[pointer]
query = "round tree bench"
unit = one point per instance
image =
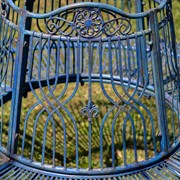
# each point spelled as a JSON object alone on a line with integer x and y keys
{"x": 89, "y": 90}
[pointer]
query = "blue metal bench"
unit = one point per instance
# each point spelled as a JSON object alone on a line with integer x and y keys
{"x": 89, "y": 90}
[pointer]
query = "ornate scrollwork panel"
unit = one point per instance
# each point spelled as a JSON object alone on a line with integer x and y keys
{"x": 89, "y": 23}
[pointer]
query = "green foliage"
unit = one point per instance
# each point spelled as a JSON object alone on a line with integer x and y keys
{"x": 176, "y": 15}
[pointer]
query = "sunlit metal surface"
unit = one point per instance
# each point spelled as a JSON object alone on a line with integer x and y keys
{"x": 89, "y": 90}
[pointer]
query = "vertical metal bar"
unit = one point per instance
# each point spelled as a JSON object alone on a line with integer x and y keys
{"x": 139, "y": 9}
{"x": 17, "y": 14}
{"x": 122, "y": 4}
{"x": 158, "y": 82}
{"x": 2, "y": 116}
{"x": 111, "y": 74}
{"x": 101, "y": 131}
{"x": 19, "y": 78}
{"x": 29, "y": 7}
{"x": 90, "y": 59}
{"x": 141, "y": 48}
{"x": 129, "y": 6}
{"x": 173, "y": 38}
{"x": 0, "y": 23}
{"x": 1, "y": 98}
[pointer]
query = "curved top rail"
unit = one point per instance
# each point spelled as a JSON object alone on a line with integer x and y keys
{"x": 89, "y": 4}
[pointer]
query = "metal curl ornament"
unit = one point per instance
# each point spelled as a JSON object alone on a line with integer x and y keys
{"x": 53, "y": 25}
{"x": 118, "y": 25}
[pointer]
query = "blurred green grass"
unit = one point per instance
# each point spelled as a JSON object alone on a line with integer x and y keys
{"x": 176, "y": 15}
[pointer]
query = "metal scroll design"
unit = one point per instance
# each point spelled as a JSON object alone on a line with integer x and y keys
{"x": 89, "y": 23}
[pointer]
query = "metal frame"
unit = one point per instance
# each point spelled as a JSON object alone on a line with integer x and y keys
{"x": 85, "y": 43}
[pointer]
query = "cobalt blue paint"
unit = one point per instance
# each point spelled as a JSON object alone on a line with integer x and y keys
{"x": 89, "y": 90}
